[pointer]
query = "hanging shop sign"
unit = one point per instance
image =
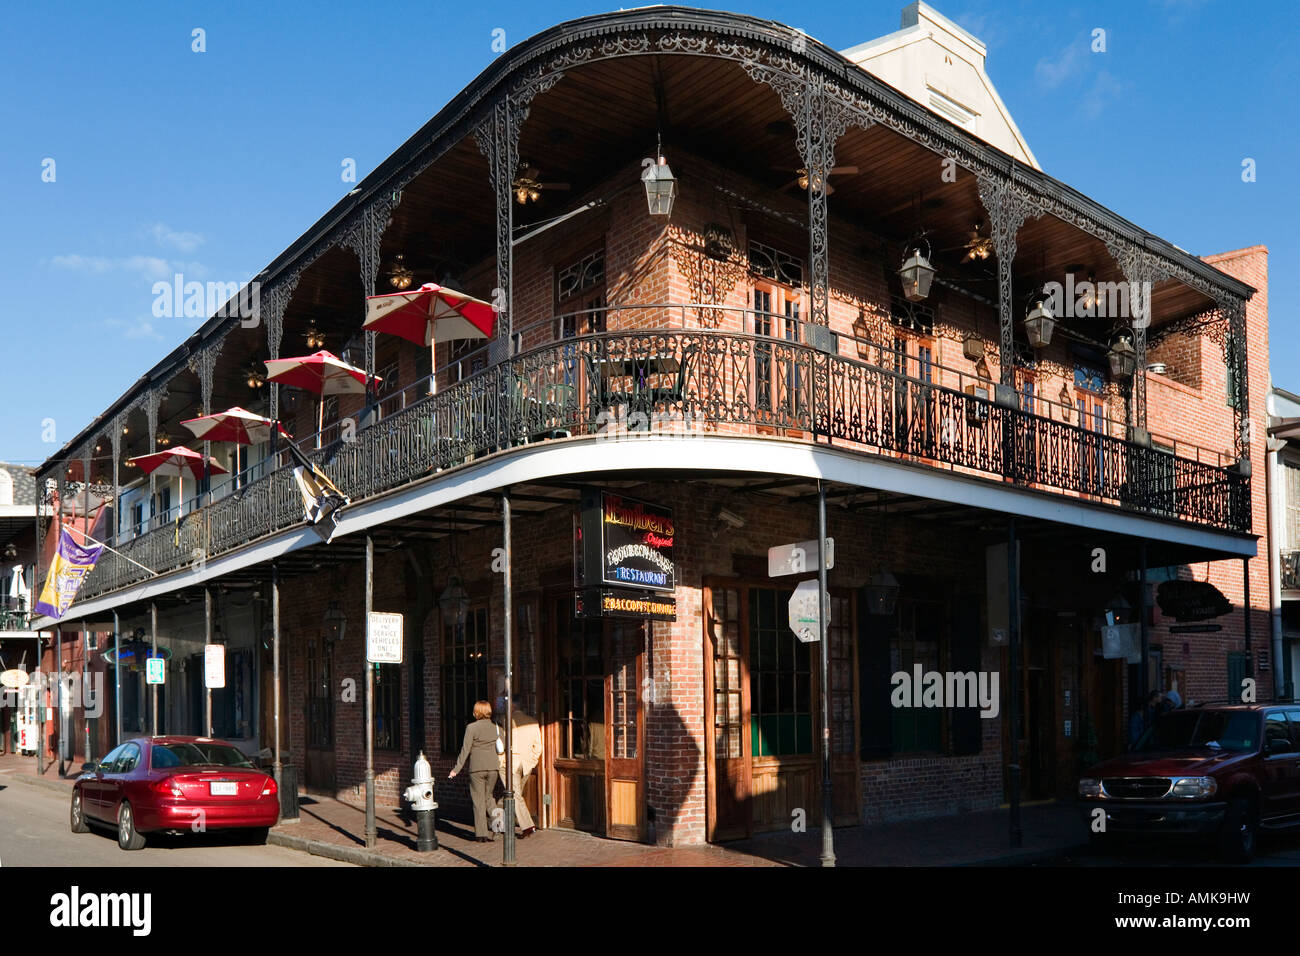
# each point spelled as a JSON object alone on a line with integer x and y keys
{"x": 1191, "y": 600}
{"x": 617, "y": 602}
{"x": 625, "y": 543}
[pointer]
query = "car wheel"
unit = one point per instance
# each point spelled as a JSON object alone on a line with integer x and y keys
{"x": 128, "y": 837}
{"x": 257, "y": 836}
{"x": 1239, "y": 830}
{"x": 77, "y": 818}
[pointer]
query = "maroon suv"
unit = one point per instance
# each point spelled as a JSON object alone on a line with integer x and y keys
{"x": 1224, "y": 771}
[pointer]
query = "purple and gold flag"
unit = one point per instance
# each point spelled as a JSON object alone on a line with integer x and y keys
{"x": 72, "y": 562}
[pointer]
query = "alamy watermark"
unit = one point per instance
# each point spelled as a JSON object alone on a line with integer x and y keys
{"x": 946, "y": 689}
{"x": 200, "y": 300}
{"x": 1091, "y": 299}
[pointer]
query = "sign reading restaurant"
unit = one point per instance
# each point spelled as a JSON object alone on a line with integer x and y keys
{"x": 628, "y": 543}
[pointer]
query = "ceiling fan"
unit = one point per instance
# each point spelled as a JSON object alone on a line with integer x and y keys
{"x": 801, "y": 176}
{"x": 978, "y": 246}
{"x": 528, "y": 186}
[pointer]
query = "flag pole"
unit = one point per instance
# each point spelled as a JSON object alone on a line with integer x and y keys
{"x": 115, "y": 551}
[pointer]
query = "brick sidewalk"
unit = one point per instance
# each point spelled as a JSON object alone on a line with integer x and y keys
{"x": 337, "y": 828}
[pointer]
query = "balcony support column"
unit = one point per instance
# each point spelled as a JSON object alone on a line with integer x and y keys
{"x": 153, "y": 401}
{"x": 115, "y": 437}
{"x": 1007, "y": 211}
{"x": 203, "y": 363}
{"x": 272, "y": 307}
{"x": 364, "y": 235}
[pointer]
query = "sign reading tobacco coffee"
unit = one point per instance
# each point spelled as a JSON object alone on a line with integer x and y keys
{"x": 628, "y": 545}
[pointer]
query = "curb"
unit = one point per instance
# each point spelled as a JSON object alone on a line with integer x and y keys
{"x": 333, "y": 851}
{"x": 63, "y": 787}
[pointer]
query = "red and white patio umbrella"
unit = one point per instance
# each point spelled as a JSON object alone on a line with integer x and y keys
{"x": 236, "y": 425}
{"x": 175, "y": 462}
{"x": 322, "y": 373}
{"x": 429, "y": 314}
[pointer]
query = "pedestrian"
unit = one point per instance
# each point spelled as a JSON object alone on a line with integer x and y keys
{"x": 480, "y": 749}
{"x": 526, "y": 744}
{"x": 1143, "y": 718}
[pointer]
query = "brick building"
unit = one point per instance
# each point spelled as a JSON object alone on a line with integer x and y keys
{"x": 719, "y": 368}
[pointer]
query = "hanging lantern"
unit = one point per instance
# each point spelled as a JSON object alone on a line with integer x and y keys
{"x": 454, "y": 600}
{"x": 1039, "y": 324}
{"x": 917, "y": 274}
{"x": 1123, "y": 359}
{"x": 882, "y": 593}
{"x": 660, "y": 186}
{"x": 335, "y": 622}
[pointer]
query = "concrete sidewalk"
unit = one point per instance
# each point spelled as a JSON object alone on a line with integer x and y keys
{"x": 336, "y": 829}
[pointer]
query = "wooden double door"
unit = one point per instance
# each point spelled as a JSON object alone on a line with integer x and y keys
{"x": 763, "y": 714}
{"x": 594, "y": 723}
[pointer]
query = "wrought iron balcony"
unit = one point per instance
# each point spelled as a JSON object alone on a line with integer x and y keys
{"x": 692, "y": 382}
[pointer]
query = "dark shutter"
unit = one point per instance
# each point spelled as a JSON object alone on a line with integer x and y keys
{"x": 967, "y": 729}
{"x": 875, "y": 632}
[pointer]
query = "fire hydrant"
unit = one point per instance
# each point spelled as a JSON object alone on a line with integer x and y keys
{"x": 420, "y": 795}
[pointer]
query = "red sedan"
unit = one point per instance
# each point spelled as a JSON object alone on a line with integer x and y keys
{"x": 174, "y": 784}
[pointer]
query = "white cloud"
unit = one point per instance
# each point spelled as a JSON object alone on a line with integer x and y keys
{"x": 152, "y": 268}
{"x": 1105, "y": 89}
{"x": 166, "y": 236}
{"x": 135, "y": 328}
{"x": 1051, "y": 72}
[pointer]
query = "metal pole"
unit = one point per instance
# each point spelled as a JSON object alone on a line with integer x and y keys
{"x": 117, "y": 682}
{"x": 58, "y": 693}
{"x": 1245, "y": 603}
{"x": 371, "y": 834}
{"x": 85, "y": 676}
{"x": 207, "y": 639}
{"x": 508, "y": 803}
{"x": 823, "y": 616}
{"x": 275, "y": 664}
{"x": 1013, "y": 622}
{"x": 153, "y": 634}
{"x": 1144, "y": 666}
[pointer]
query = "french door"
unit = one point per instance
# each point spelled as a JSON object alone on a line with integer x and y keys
{"x": 595, "y": 724}
{"x": 763, "y": 711}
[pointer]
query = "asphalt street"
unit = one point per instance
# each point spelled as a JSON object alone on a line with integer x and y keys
{"x": 34, "y": 832}
{"x": 1273, "y": 848}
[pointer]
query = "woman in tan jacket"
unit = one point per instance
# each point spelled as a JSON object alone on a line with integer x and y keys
{"x": 480, "y": 749}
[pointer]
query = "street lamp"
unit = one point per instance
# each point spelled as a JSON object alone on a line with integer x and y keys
{"x": 454, "y": 600}
{"x": 1123, "y": 359}
{"x": 1039, "y": 323}
{"x": 660, "y": 185}
{"x": 917, "y": 273}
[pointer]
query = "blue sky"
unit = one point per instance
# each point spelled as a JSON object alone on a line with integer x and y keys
{"x": 211, "y": 163}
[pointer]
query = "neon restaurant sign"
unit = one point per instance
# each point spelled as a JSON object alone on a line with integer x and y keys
{"x": 625, "y": 544}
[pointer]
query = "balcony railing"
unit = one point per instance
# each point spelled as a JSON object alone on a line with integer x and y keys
{"x": 693, "y": 382}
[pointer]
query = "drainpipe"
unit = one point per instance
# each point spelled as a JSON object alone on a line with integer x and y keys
{"x": 1275, "y": 505}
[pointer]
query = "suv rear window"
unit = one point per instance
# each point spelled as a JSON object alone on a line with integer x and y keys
{"x": 1232, "y": 730}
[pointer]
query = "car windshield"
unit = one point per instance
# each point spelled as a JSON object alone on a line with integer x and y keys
{"x": 1232, "y": 730}
{"x": 198, "y": 755}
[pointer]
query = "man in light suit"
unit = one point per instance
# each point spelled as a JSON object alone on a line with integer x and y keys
{"x": 526, "y": 744}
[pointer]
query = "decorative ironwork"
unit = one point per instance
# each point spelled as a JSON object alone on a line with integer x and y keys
{"x": 1007, "y": 209}
{"x": 683, "y": 382}
{"x": 203, "y": 362}
{"x": 1237, "y": 361}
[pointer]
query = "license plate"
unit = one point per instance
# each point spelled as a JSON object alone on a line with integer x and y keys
{"x": 224, "y": 788}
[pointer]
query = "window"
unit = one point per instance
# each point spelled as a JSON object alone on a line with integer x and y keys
{"x": 728, "y": 724}
{"x": 388, "y": 706}
{"x": 780, "y": 679}
{"x": 1291, "y": 514}
{"x": 580, "y": 277}
{"x": 464, "y": 674}
{"x": 778, "y": 378}
{"x": 580, "y": 676}
{"x": 775, "y": 265}
{"x": 841, "y": 665}
{"x": 919, "y": 640}
{"x": 137, "y": 517}
{"x": 1091, "y": 406}
{"x": 128, "y": 759}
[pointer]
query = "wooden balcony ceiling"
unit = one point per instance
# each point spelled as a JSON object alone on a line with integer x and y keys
{"x": 603, "y": 116}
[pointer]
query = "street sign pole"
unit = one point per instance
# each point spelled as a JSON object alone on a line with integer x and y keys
{"x": 371, "y": 834}
{"x": 828, "y": 799}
